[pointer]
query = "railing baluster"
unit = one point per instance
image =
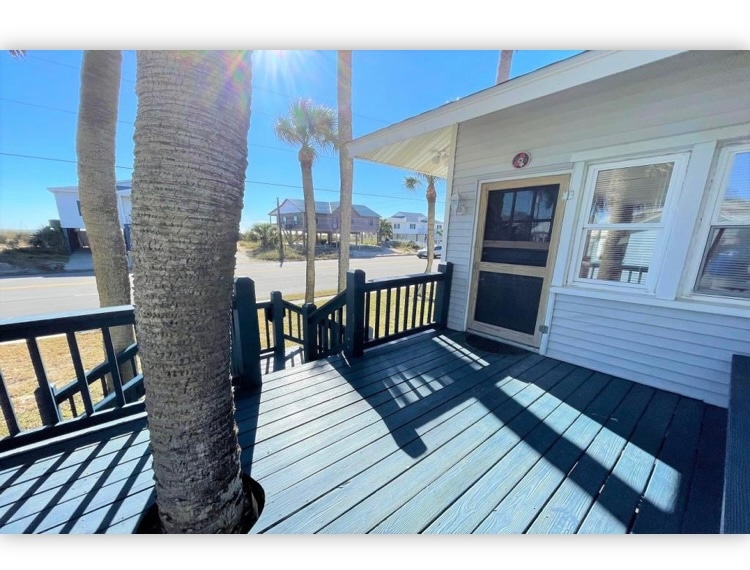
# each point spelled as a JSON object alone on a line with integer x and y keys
{"x": 387, "y": 311}
{"x": 406, "y": 308}
{"x": 377, "y": 314}
{"x": 398, "y": 309}
{"x": 114, "y": 369}
{"x": 367, "y": 315}
{"x": 415, "y": 289}
{"x": 48, "y": 409}
{"x": 6, "y": 405}
{"x": 83, "y": 384}
{"x": 421, "y": 308}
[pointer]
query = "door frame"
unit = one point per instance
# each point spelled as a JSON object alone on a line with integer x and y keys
{"x": 515, "y": 337}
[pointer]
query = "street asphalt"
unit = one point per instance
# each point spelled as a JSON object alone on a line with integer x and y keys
{"x": 70, "y": 291}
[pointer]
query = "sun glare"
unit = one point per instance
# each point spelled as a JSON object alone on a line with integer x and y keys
{"x": 287, "y": 71}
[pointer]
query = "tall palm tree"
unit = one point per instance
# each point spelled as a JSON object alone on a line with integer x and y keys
{"x": 503, "y": 66}
{"x": 346, "y": 164}
{"x": 411, "y": 183}
{"x": 95, "y": 147}
{"x": 312, "y": 128}
{"x": 190, "y": 160}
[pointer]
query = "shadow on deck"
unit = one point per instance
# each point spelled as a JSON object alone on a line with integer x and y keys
{"x": 425, "y": 435}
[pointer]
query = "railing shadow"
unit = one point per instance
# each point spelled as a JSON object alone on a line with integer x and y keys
{"x": 640, "y": 419}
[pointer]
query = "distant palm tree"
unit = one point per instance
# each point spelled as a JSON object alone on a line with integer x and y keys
{"x": 312, "y": 128}
{"x": 346, "y": 164}
{"x": 385, "y": 230}
{"x": 95, "y": 149}
{"x": 411, "y": 183}
{"x": 188, "y": 186}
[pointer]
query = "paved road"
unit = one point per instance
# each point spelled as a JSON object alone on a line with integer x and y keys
{"x": 23, "y": 296}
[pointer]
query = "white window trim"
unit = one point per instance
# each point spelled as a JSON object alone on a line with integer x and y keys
{"x": 676, "y": 182}
{"x": 713, "y": 205}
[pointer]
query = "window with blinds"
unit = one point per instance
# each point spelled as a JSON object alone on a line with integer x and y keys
{"x": 725, "y": 268}
{"x": 622, "y": 233}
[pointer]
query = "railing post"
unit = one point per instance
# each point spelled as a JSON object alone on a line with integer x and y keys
{"x": 6, "y": 405}
{"x": 309, "y": 333}
{"x": 246, "y": 332}
{"x": 442, "y": 296}
{"x": 277, "y": 312}
{"x": 355, "y": 313}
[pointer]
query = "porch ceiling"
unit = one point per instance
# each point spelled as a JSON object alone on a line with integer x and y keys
{"x": 427, "y": 153}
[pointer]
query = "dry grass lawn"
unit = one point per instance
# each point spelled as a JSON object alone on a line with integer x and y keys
{"x": 19, "y": 377}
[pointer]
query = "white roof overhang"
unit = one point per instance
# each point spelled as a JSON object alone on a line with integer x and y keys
{"x": 415, "y": 143}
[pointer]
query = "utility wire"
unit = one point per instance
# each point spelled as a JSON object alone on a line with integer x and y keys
{"x": 258, "y": 182}
{"x": 130, "y": 124}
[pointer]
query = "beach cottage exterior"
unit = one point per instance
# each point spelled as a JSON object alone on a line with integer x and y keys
{"x": 599, "y": 212}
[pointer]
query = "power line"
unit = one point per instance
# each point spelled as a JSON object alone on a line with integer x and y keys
{"x": 53, "y": 159}
{"x": 258, "y": 182}
{"x": 130, "y": 124}
{"x": 52, "y": 108}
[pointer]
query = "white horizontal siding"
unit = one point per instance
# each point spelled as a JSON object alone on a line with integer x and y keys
{"x": 648, "y": 103}
{"x": 687, "y": 352}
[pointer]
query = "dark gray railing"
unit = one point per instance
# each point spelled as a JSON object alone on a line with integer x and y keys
{"x": 366, "y": 314}
{"x": 382, "y": 310}
{"x": 115, "y": 391}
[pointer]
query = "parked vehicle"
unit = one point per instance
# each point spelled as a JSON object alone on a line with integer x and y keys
{"x": 422, "y": 253}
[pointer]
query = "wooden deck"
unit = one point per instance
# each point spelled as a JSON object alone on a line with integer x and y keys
{"x": 425, "y": 435}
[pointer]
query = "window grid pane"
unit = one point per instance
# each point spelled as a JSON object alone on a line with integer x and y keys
{"x": 725, "y": 268}
{"x": 625, "y": 221}
{"x": 634, "y": 194}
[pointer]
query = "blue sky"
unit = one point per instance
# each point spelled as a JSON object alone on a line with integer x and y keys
{"x": 39, "y": 103}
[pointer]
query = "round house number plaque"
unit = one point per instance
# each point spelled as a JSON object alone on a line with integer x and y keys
{"x": 521, "y": 159}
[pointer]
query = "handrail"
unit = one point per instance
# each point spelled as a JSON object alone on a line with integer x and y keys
{"x": 364, "y": 315}
{"x": 116, "y": 391}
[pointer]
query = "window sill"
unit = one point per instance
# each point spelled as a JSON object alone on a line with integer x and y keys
{"x": 697, "y": 303}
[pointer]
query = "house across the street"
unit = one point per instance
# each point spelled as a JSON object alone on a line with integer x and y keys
{"x": 599, "y": 212}
{"x": 412, "y": 226}
{"x": 71, "y": 221}
{"x": 327, "y": 219}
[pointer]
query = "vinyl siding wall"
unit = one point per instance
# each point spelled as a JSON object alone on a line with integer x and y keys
{"x": 654, "y": 102}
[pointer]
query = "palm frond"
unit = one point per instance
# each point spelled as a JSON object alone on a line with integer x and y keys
{"x": 412, "y": 182}
{"x": 308, "y": 125}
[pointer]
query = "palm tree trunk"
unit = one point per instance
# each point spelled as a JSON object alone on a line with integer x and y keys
{"x": 95, "y": 147}
{"x": 431, "y": 196}
{"x": 311, "y": 228}
{"x": 346, "y": 164}
{"x": 188, "y": 184}
{"x": 503, "y": 66}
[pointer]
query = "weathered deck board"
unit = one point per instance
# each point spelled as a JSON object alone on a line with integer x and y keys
{"x": 364, "y": 448}
{"x": 567, "y": 507}
{"x": 421, "y": 435}
{"x": 447, "y": 441}
{"x": 614, "y": 508}
{"x": 703, "y": 508}
{"x": 666, "y": 493}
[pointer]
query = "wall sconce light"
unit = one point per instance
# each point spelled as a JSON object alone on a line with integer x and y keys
{"x": 441, "y": 156}
{"x": 458, "y": 208}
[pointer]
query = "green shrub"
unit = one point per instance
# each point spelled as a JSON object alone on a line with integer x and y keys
{"x": 48, "y": 238}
